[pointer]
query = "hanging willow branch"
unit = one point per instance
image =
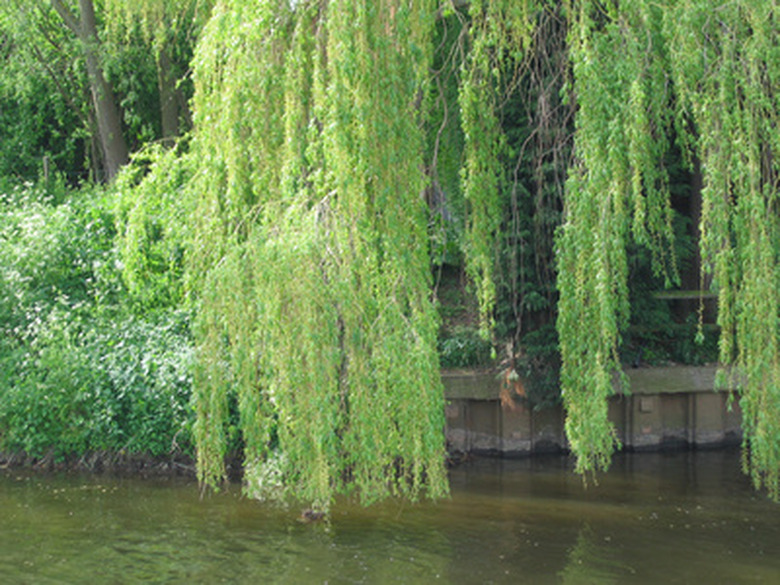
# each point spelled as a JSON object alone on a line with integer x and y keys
{"x": 501, "y": 32}
{"x": 643, "y": 72}
{"x": 315, "y": 328}
{"x": 617, "y": 187}
{"x": 728, "y": 76}
{"x": 311, "y": 260}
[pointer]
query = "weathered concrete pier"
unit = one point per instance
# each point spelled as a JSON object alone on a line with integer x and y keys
{"x": 667, "y": 407}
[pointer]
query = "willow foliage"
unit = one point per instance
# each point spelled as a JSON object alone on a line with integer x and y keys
{"x": 159, "y": 19}
{"x": 500, "y": 34}
{"x": 310, "y": 258}
{"x": 617, "y": 187}
{"x": 316, "y": 331}
{"x": 644, "y": 72}
{"x": 727, "y": 73}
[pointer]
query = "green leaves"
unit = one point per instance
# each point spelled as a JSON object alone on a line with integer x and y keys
{"x": 309, "y": 222}
{"x": 615, "y": 190}
{"x": 80, "y": 372}
{"x": 727, "y": 77}
{"x": 644, "y": 72}
{"x": 310, "y": 256}
{"x": 500, "y": 33}
{"x": 295, "y": 226}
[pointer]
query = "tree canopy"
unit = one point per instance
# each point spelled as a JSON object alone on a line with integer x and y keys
{"x": 310, "y": 245}
{"x": 120, "y": 67}
{"x": 315, "y": 310}
{"x": 646, "y": 73}
{"x": 341, "y": 148}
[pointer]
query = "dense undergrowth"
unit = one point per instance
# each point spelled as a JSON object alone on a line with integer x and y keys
{"x": 84, "y": 366}
{"x": 96, "y": 353}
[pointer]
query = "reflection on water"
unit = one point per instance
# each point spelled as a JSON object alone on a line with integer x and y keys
{"x": 687, "y": 517}
{"x": 593, "y": 562}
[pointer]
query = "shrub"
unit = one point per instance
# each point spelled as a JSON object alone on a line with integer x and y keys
{"x": 463, "y": 347}
{"x": 80, "y": 371}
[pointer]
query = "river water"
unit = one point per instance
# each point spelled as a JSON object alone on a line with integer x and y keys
{"x": 685, "y": 517}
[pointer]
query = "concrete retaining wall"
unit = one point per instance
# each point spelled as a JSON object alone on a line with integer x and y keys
{"x": 667, "y": 407}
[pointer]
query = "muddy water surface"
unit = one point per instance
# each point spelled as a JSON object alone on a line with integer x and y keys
{"x": 687, "y": 517}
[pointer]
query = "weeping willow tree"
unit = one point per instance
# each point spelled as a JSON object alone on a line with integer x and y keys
{"x": 646, "y": 77}
{"x": 644, "y": 72}
{"x": 316, "y": 330}
{"x": 316, "y": 323}
{"x": 617, "y": 189}
{"x": 727, "y": 72}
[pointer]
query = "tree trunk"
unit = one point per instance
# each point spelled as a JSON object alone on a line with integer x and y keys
{"x": 108, "y": 117}
{"x": 169, "y": 103}
{"x": 109, "y": 120}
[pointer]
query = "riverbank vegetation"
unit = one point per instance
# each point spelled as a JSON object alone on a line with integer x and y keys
{"x": 328, "y": 201}
{"x": 83, "y": 369}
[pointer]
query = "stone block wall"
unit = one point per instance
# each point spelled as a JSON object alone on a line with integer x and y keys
{"x": 666, "y": 407}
